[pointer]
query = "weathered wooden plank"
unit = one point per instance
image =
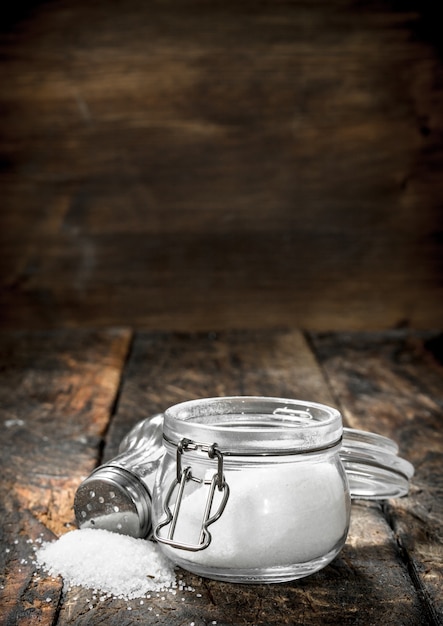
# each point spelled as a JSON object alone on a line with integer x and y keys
{"x": 368, "y": 583}
{"x": 236, "y": 280}
{"x": 394, "y": 384}
{"x": 56, "y": 397}
{"x": 256, "y": 151}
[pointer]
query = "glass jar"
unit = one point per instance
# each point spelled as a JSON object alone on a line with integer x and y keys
{"x": 251, "y": 489}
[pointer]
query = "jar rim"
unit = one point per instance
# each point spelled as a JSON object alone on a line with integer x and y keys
{"x": 254, "y": 424}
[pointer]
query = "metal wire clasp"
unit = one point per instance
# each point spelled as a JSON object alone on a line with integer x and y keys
{"x": 183, "y": 476}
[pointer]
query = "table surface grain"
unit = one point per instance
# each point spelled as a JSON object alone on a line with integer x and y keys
{"x": 67, "y": 398}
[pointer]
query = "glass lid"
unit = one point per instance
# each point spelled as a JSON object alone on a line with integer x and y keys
{"x": 373, "y": 467}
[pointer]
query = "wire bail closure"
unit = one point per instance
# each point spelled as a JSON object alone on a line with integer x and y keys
{"x": 183, "y": 476}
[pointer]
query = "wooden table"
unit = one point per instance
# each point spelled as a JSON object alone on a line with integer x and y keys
{"x": 67, "y": 398}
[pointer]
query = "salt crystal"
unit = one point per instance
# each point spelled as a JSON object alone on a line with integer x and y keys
{"x": 100, "y": 560}
{"x": 13, "y": 422}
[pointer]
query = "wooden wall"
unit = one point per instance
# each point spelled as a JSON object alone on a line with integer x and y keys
{"x": 203, "y": 165}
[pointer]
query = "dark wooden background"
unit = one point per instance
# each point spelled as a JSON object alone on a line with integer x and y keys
{"x": 263, "y": 170}
{"x": 194, "y": 164}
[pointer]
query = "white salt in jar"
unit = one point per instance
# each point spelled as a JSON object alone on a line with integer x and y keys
{"x": 251, "y": 489}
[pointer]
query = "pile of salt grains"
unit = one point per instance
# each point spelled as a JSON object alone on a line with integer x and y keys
{"x": 110, "y": 565}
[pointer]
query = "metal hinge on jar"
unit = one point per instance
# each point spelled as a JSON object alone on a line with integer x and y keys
{"x": 183, "y": 477}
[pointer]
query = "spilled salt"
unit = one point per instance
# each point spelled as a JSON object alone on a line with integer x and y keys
{"x": 115, "y": 564}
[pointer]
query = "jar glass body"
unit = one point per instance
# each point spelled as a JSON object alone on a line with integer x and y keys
{"x": 282, "y": 511}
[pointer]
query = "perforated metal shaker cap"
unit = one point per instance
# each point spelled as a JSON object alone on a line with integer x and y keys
{"x": 114, "y": 499}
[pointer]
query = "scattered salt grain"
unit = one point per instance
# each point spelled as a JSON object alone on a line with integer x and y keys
{"x": 13, "y": 422}
{"x": 115, "y": 564}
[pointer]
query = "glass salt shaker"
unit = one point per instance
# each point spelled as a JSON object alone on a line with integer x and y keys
{"x": 117, "y": 495}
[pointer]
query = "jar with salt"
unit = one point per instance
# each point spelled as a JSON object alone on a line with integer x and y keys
{"x": 251, "y": 489}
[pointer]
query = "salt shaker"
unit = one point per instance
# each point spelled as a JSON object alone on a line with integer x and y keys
{"x": 117, "y": 495}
